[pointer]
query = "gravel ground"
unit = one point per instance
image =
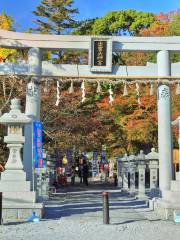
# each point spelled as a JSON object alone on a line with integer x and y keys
{"x": 78, "y": 215}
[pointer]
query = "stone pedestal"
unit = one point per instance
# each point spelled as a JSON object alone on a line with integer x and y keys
{"x": 141, "y": 185}
{"x": 18, "y": 201}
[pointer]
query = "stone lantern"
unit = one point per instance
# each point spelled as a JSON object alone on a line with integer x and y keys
{"x": 132, "y": 172}
{"x": 15, "y": 120}
{"x": 18, "y": 199}
{"x": 153, "y": 158}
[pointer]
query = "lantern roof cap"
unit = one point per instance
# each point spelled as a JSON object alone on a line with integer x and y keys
{"x": 15, "y": 116}
{"x": 152, "y": 155}
{"x": 140, "y": 156}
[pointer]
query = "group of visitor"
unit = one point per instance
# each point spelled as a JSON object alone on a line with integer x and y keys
{"x": 82, "y": 171}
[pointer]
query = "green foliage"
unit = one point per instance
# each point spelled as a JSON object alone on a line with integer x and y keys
{"x": 174, "y": 26}
{"x": 174, "y": 30}
{"x": 125, "y": 22}
{"x": 55, "y": 16}
{"x": 85, "y": 27}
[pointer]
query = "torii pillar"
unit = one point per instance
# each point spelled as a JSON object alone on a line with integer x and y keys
{"x": 32, "y": 110}
{"x": 164, "y": 123}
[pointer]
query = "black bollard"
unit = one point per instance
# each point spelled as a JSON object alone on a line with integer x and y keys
{"x": 105, "y": 208}
{"x": 0, "y": 208}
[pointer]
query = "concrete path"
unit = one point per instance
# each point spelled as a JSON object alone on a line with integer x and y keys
{"x": 76, "y": 213}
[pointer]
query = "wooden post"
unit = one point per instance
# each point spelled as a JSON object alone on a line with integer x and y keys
{"x": 105, "y": 208}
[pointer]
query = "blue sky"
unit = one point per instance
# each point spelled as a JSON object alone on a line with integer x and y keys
{"x": 21, "y": 10}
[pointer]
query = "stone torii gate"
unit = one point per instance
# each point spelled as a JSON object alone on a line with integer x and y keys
{"x": 100, "y": 49}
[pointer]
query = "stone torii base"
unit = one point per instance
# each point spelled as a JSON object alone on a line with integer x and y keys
{"x": 170, "y": 202}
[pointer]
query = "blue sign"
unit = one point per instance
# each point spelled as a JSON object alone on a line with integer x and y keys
{"x": 94, "y": 163}
{"x": 104, "y": 157}
{"x": 37, "y": 145}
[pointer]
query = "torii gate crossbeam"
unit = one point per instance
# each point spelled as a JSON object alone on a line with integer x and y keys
{"x": 17, "y": 40}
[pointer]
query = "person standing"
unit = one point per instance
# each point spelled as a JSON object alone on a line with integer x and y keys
{"x": 73, "y": 175}
{"x": 85, "y": 173}
{"x": 81, "y": 162}
{"x": 80, "y": 173}
{"x": 115, "y": 179}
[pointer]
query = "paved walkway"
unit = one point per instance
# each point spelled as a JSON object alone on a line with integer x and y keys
{"x": 85, "y": 203}
{"x": 76, "y": 213}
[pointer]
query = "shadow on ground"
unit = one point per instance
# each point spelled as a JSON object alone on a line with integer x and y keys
{"x": 87, "y": 202}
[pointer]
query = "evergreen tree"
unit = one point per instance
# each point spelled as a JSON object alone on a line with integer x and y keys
{"x": 123, "y": 22}
{"x": 56, "y": 16}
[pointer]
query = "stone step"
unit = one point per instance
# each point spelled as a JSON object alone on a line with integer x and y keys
{"x": 19, "y": 197}
{"x": 14, "y": 186}
{"x": 171, "y": 196}
{"x": 175, "y": 186}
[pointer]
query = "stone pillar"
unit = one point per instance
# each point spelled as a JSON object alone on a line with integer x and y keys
{"x": 132, "y": 178}
{"x": 141, "y": 185}
{"x": 153, "y": 166}
{"x": 32, "y": 108}
{"x": 33, "y": 87}
{"x": 41, "y": 186}
{"x": 164, "y": 123}
{"x": 125, "y": 178}
{"x": 120, "y": 176}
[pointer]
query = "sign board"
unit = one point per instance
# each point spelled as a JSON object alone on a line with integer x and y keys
{"x": 100, "y": 52}
{"x": 100, "y": 55}
{"x": 37, "y": 145}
